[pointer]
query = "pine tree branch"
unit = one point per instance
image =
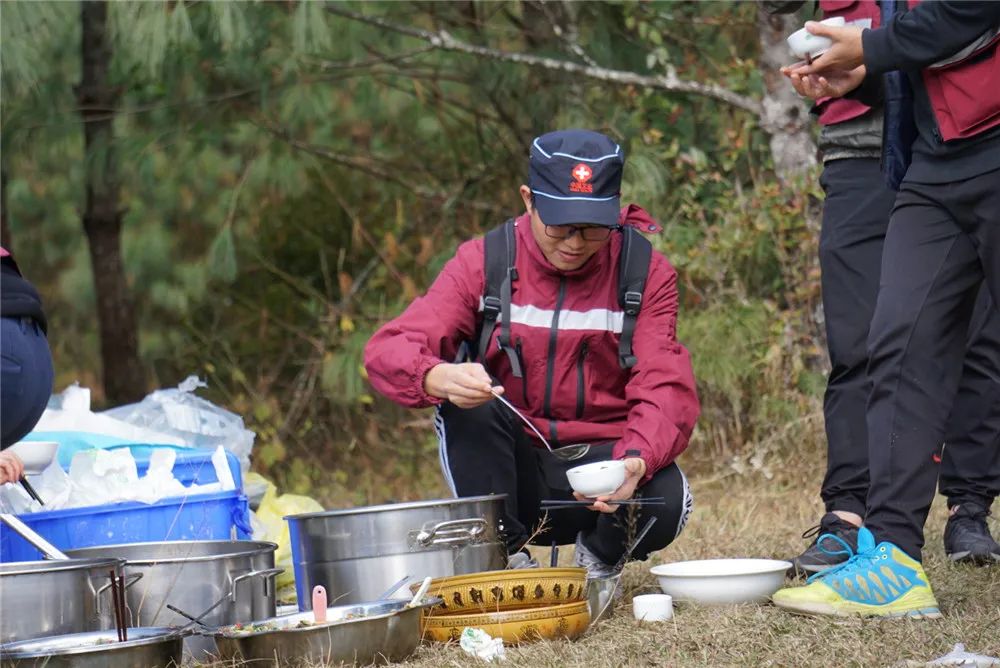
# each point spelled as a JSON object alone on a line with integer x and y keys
{"x": 668, "y": 82}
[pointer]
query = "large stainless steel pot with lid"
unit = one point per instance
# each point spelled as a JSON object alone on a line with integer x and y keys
{"x": 356, "y": 554}
{"x": 47, "y": 598}
{"x": 192, "y": 576}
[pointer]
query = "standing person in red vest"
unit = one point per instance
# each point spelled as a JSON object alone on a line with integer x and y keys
{"x": 572, "y": 317}
{"x": 943, "y": 240}
{"x": 856, "y": 214}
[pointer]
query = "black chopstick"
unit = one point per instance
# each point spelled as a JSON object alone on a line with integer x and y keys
{"x": 31, "y": 490}
{"x": 653, "y": 500}
{"x": 116, "y": 604}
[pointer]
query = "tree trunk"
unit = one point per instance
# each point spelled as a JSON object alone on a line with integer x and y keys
{"x": 785, "y": 117}
{"x": 102, "y": 217}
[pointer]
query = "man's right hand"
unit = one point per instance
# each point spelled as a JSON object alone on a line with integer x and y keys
{"x": 465, "y": 385}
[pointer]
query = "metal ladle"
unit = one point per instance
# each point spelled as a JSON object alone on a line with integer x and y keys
{"x": 45, "y": 547}
{"x": 566, "y": 453}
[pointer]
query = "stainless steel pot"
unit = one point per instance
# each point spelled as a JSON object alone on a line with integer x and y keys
{"x": 356, "y": 554}
{"x": 192, "y": 575}
{"x": 146, "y": 647}
{"x": 377, "y": 632}
{"x": 46, "y": 598}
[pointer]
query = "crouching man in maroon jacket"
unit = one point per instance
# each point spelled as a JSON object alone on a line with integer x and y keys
{"x": 562, "y": 344}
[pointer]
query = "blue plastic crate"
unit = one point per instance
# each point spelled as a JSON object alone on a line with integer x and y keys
{"x": 214, "y": 516}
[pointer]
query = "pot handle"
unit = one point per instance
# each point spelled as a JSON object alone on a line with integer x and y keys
{"x": 266, "y": 573}
{"x": 450, "y": 532}
{"x": 129, "y": 581}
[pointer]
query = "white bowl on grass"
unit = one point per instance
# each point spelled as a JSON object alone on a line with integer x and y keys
{"x": 36, "y": 455}
{"x": 722, "y": 581}
{"x": 598, "y": 478}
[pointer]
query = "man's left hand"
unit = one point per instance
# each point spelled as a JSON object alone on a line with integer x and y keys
{"x": 833, "y": 84}
{"x": 635, "y": 469}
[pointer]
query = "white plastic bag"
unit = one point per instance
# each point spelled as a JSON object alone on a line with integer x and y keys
{"x": 481, "y": 645}
{"x": 181, "y": 413}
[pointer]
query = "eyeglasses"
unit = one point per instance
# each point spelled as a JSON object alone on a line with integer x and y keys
{"x": 587, "y": 232}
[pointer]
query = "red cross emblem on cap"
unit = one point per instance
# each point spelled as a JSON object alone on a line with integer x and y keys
{"x": 582, "y": 173}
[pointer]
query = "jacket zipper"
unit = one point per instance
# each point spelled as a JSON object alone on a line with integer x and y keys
{"x": 580, "y": 386}
{"x": 524, "y": 371}
{"x": 550, "y": 363}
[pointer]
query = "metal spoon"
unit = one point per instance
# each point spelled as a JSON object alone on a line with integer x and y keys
{"x": 392, "y": 590}
{"x": 566, "y": 453}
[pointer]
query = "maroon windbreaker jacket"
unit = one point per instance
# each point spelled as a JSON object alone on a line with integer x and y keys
{"x": 566, "y": 326}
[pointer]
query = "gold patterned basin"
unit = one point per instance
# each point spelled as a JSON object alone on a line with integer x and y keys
{"x": 566, "y": 620}
{"x": 499, "y": 591}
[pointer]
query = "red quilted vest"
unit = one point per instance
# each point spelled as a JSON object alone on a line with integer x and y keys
{"x": 965, "y": 91}
{"x": 838, "y": 110}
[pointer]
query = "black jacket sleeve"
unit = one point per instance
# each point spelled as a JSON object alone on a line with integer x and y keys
{"x": 926, "y": 34}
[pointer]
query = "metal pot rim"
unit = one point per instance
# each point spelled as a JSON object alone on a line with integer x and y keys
{"x": 253, "y": 548}
{"x": 55, "y": 565}
{"x": 150, "y": 636}
{"x": 428, "y": 603}
{"x": 396, "y": 506}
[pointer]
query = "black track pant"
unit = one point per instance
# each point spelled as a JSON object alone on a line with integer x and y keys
{"x": 943, "y": 241}
{"x": 485, "y": 450}
{"x": 856, "y": 216}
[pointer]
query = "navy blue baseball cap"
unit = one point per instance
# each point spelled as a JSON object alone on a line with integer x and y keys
{"x": 576, "y": 177}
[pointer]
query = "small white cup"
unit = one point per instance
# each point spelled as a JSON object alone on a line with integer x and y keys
{"x": 803, "y": 43}
{"x": 653, "y": 607}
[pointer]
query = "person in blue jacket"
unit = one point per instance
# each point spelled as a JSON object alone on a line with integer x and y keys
{"x": 26, "y": 372}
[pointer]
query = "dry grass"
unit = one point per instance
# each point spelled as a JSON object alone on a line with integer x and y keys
{"x": 752, "y": 516}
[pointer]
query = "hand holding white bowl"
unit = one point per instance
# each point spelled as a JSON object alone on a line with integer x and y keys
{"x": 35, "y": 456}
{"x": 804, "y": 42}
{"x": 625, "y": 473}
{"x": 11, "y": 468}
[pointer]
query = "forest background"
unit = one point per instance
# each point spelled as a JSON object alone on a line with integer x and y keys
{"x": 245, "y": 191}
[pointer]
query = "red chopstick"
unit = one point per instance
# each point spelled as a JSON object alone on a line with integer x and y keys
{"x": 123, "y": 607}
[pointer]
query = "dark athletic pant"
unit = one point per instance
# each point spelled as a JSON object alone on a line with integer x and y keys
{"x": 856, "y": 216}
{"x": 25, "y": 377}
{"x": 943, "y": 241}
{"x": 485, "y": 450}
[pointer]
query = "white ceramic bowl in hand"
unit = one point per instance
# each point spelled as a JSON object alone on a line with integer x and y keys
{"x": 598, "y": 478}
{"x": 803, "y": 43}
{"x": 722, "y": 581}
{"x": 36, "y": 455}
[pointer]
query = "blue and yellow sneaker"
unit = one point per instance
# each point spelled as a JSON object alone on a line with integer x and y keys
{"x": 878, "y": 580}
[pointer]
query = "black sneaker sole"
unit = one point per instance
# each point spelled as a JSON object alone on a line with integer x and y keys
{"x": 805, "y": 570}
{"x": 975, "y": 559}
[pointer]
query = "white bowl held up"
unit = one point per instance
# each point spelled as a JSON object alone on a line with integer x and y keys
{"x": 722, "y": 581}
{"x": 36, "y": 455}
{"x": 803, "y": 43}
{"x": 597, "y": 478}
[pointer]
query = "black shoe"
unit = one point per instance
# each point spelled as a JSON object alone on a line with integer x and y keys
{"x": 967, "y": 539}
{"x": 814, "y": 560}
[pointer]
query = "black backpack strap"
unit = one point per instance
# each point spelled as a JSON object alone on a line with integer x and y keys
{"x": 633, "y": 265}
{"x": 500, "y": 254}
